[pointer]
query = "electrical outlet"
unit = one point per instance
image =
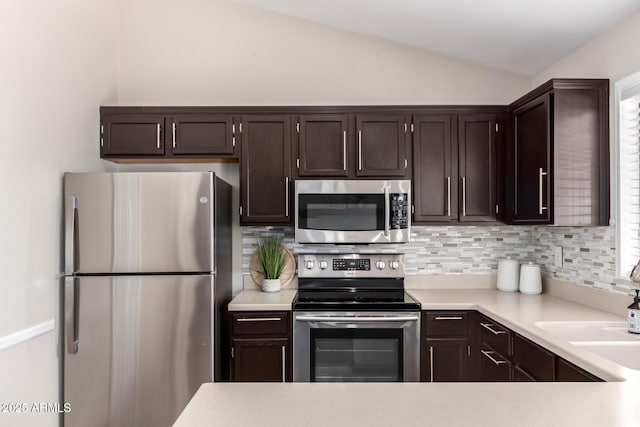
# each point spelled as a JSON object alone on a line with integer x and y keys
{"x": 557, "y": 256}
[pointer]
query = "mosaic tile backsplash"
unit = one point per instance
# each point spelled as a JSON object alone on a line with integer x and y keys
{"x": 589, "y": 257}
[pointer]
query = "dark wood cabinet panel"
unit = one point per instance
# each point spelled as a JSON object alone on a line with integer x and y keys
{"x": 260, "y": 323}
{"x": 446, "y": 324}
{"x": 532, "y": 146}
{"x": 521, "y": 376}
{"x": 568, "y": 372}
{"x": 132, "y": 135}
{"x": 493, "y": 365}
{"x": 536, "y": 361}
{"x": 495, "y": 336}
{"x": 202, "y": 134}
{"x": 434, "y": 151}
{"x": 259, "y": 360}
{"x": 323, "y": 145}
{"x": 266, "y": 169}
{"x": 380, "y": 145}
{"x": 477, "y": 154}
{"x": 446, "y": 360}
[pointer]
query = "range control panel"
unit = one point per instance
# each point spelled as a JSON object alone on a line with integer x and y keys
{"x": 351, "y": 265}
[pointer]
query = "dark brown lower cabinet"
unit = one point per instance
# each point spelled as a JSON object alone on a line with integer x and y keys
{"x": 494, "y": 366}
{"x": 569, "y": 372}
{"x": 537, "y": 362}
{"x": 262, "y": 359}
{"x": 260, "y": 344}
{"x": 447, "y": 360}
{"x": 521, "y": 376}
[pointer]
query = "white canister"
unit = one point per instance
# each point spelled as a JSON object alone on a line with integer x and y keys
{"x": 530, "y": 279}
{"x": 508, "y": 275}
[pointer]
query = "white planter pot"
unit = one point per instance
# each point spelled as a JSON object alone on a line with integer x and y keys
{"x": 271, "y": 285}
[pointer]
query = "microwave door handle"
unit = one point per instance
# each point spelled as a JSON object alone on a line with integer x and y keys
{"x": 387, "y": 212}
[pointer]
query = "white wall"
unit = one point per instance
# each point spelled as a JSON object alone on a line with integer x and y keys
{"x": 211, "y": 52}
{"x": 58, "y": 66}
{"x": 612, "y": 55}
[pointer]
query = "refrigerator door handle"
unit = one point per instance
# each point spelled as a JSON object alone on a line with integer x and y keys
{"x": 71, "y": 310}
{"x": 70, "y": 234}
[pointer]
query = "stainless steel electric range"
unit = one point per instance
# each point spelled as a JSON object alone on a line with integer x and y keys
{"x": 353, "y": 321}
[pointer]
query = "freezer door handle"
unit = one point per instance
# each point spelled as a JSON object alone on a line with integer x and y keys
{"x": 71, "y": 309}
{"x": 70, "y": 234}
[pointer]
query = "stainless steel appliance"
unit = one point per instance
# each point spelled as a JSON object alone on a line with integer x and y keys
{"x": 353, "y": 211}
{"x": 353, "y": 321}
{"x": 147, "y": 270}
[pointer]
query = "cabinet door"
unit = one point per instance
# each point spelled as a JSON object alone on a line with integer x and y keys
{"x": 132, "y": 135}
{"x": 536, "y": 361}
{"x": 433, "y": 170}
{"x": 521, "y": 376}
{"x": 260, "y": 360}
{"x": 266, "y": 170}
{"x": 532, "y": 139}
{"x": 446, "y": 360}
{"x": 568, "y": 372}
{"x": 494, "y": 366}
{"x": 322, "y": 145}
{"x": 476, "y": 162}
{"x": 202, "y": 134}
{"x": 380, "y": 147}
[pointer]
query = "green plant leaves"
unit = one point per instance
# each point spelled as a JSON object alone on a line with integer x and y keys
{"x": 271, "y": 256}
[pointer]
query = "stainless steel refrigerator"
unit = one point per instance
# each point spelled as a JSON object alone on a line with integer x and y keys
{"x": 147, "y": 271}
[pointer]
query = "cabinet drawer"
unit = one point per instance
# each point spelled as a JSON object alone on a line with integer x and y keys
{"x": 495, "y": 336}
{"x": 533, "y": 359}
{"x": 446, "y": 323}
{"x": 494, "y": 366}
{"x": 260, "y": 323}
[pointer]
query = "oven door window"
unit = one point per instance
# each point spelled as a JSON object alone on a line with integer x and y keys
{"x": 356, "y": 355}
{"x": 341, "y": 212}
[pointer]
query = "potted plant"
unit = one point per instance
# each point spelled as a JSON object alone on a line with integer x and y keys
{"x": 272, "y": 260}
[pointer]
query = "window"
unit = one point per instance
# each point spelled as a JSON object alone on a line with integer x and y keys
{"x": 628, "y": 97}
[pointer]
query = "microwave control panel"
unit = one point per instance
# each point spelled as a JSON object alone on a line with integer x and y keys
{"x": 399, "y": 211}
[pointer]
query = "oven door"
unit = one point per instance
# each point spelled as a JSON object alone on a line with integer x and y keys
{"x": 339, "y": 211}
{"x": 356, "y": 347}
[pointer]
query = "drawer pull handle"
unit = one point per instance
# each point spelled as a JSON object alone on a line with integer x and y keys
{"x": 488, "y": 327}
{"x": 260, "y": 319}
{"x": 488, "y": 354}
{"x": 448, "y": 318}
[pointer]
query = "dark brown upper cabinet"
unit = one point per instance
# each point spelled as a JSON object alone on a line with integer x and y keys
{"x": 202, "y": 134}
{"x": 132, "y": 135}
{"x": 265, "y": 182}
{"x": 323, "y": 145}
{"x": 454, "y": 166}
{"x": 476, "y": 162}
{"x": 380, "y": 145}
{"x": 558, "y": 158}
{"x": 434, "y": 168}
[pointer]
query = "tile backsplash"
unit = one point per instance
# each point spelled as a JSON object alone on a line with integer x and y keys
{"x": 588, "y": 252}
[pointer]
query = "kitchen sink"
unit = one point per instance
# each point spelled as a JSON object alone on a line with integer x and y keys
{"x": 590, "y": 331}
{"x": 623, "y": 353}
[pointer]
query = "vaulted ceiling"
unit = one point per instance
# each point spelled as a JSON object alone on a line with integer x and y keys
{"x": 521, "y": 36}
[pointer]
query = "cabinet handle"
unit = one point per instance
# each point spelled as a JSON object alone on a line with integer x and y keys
{"x": 488, "y": 326}
{"x": 448, "y": 318}
{"x": 286, "y": 195}
{"x": 541, "y": 173}
{"x": 284, "y": 364}
{"x": 344, "y": 150}
{"x": 430, "y": 363}
{"x": 449, "y": 196}
{"x": 488, "y": 355}
{"x": 359, "y": 150}
{"x": 173, "y": 133}
{"x": 464, "y": 196}
{"x": 158, "y": 136}
{"x": 259, "y": 319}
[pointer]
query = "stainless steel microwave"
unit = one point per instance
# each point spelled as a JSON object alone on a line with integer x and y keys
{"x": 353, "y": 211}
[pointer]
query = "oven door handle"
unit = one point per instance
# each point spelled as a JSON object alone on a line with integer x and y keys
{"x": 353, "y": 319}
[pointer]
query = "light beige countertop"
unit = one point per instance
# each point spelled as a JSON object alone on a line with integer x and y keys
{"x": 414, "y": 404}
{"x": 256, "y": 300}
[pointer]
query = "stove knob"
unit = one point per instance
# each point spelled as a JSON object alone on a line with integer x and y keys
{"x": 394, "y": 265}
{"x": 380, "y": 265}
{"x": 323, "y": 265}
{"x": 308, "y": 265}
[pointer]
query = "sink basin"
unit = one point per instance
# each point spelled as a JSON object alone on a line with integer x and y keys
{"x": 623, "y": 353}
{"x": 590, "y": 331}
